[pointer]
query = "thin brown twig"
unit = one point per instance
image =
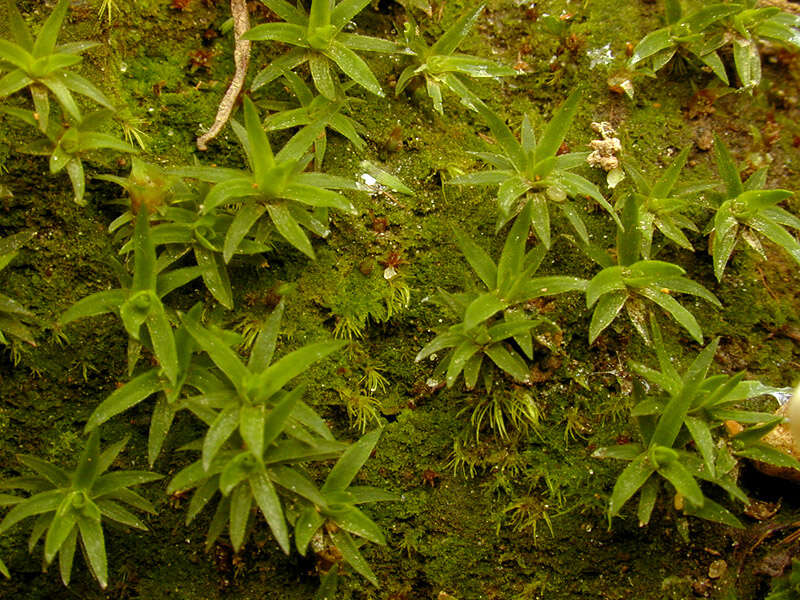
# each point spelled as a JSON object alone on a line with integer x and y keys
{"x": 766, "y": 286}
{"x": 241, "y": 57}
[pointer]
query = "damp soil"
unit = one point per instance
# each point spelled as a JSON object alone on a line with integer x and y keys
{"x": 481, "y": 515}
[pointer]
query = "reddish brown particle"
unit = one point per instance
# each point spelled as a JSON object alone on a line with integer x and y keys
{"x": 430, "y": 477}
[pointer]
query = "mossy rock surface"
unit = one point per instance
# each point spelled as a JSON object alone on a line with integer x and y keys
{"x": 480, "y": 517}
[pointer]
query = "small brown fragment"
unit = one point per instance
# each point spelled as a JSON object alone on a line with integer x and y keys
{"x": 761, "y": 511}
{"x": 717, "y": 569}
{"x": 704, "y": 139}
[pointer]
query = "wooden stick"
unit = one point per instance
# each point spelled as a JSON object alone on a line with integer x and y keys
{"x": 241, "y": 57}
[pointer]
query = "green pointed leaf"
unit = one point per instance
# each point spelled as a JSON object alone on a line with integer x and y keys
{"x": 160, "y": 423}
{"x": 279, "y": 416}
{"x": 727, "y": 169}
{"x": 725, "y": 236}
{"x": 508, "y": 361}
{"x": 163, "y": 340}
{"x": 777, "y": 234}
{"x": 270, "y": 505}
{"x": 605, "y": 312}
{"x": 683, "y": 482}
{"x": 550, "y": 286}
{"x": 674, "y": 308}
{"x": 704, "y": 440}
{"x": 350, "y": 463}
{"x": 277, "y": 375}
{"x": 444, "y": 340}
{"x": 511, "y": 147}
{"x": 264, "y": 346}
{"x": 94, "y": 545}
{"x": 356, "y": 522}
{"x": 682, "y": 285}
{"x": 455, "y": 34}
{"x": 218, "y": 521}
{"x": 556, "y": 129}
{"x": 241, "y": 503}
{"x": 770, "y": 455}
{"x": 344, "y": 12}
{"x": 218, "y": 433}
{"x": 215, "y": 275}
{"x": 510, "y": 265}
{"x": 46, "y": 40}
{"x": 319, "y": 15}
{"x": 540, "y": 218}
{"x": 711, "y": 511}
{"x": 144, "y": 270}
{"x": 201, "y": 497}
{"x": 779, "y": 31}
{"x": 317, "y": 196}
{"x": 297, "y": 483}
{"x": 121, "y": 399}
{"x": 471, "y": 370}
{"x": 353, "y": 557}
{"x": 287, "y": 12}
{"x": 354, "y": 67}
{"x": 219, "y": 351}
{"x": 480, "y": 309}
{"x": 647, "y": 500}
{"x": 286, "y": 62}
{"x": 507, "y": 329}
{"x": 133, "y": 499}
{"x": 747, "y": 61}
{"x": 672, "y": 419}
{"x": 37, "y": 504}
{"x": 288, "y": 227}
{"x": 13, "y": 82}
{"x": 606, "y": 281}
{"x": 629, "y": 482}
{"x": 666, "y": 182}
{"x": 244, "y": 220}
{"x": 53, "y": 474}
{"x": 252, "y": 419}
{"x": 481, "y": 178}
{"x": 66, "y": 556}
{"x": 228, "y": 190}
{"x": 63, "y": 95}
{"x": 261, "y": 157}
{"x": 664, "y": 359}
{"x": 653, "y": 42}
{"x": 714, "y": 62}
{"x": 472, "y": 66}
{"x": 59, "y": 531}
{"x": 18, "y": 28}
{"x": 478, "y": 259}
{"x": 88, "y": 464}
{"x": 308, "y": 523}
{"x": 84, "y": 87}
{"x": 115, "y": 512}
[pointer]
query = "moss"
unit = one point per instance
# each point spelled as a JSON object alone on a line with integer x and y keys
{"x": 449, "y": 532}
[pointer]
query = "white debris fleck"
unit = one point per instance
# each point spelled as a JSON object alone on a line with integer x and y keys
{"x": 600, "y": 56}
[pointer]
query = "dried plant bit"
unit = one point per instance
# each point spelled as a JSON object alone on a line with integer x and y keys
{"x": 241, "y": 57}
{"x": 604, "y": 153}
